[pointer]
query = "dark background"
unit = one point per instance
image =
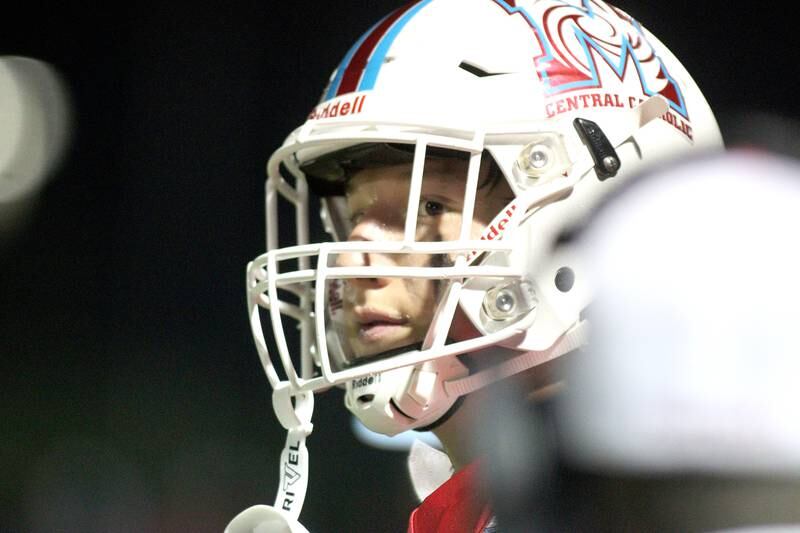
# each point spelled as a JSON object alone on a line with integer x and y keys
{"x": 132, "y": 396}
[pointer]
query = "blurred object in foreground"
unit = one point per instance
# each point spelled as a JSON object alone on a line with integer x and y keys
{"x": 400, "y": 442}
{"x": 780, "y": 134}
{"x": 694, "y": 352}
{"x": 35, "y": 127}
{"x": 683, "y": 414}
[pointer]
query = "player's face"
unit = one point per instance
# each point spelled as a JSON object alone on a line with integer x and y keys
{"x": 383, "y": 314}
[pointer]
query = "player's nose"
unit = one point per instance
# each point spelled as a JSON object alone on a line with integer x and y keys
{"x": 368, "y": 229}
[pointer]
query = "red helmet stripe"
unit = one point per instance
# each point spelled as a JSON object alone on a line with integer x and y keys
{"x": 354, "y": 69}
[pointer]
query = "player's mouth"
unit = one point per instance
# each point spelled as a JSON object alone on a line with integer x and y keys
{"x": 374, "y": 325}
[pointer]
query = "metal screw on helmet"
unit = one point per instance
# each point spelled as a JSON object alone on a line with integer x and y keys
{"x": 611, "y": 164}
{"x": 508, "y": 303}
{"x": 543, "y": 158}
{"x": 539, "y": 157}
{"x": 504, "y": 301}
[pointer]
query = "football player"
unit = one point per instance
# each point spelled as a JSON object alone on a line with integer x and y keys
{"x": 452, "y": 142}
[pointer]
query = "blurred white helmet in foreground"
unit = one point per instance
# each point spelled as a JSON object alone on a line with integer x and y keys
{"x": 693, "y": 365}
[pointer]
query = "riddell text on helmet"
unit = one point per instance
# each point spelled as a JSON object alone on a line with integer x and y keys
{"x": 339, "y": 108}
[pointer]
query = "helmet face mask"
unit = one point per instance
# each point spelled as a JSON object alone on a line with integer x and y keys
{"x": 375, "y": 316}
{"x": 383, "y": 291}
{"x": 444, "y": 163}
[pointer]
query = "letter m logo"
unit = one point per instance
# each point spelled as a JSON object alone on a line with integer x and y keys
{"x": 588, "y": 44}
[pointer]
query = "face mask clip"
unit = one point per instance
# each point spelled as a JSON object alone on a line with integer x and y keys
{"x": 606, "y": 160}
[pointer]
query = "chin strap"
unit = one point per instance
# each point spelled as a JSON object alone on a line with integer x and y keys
{"x": 294, "y": 413}
{"x": 573, "y": 339}
{"x": 294, "y": 474}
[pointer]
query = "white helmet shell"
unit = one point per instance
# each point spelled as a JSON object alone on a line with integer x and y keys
{"x": 487, "y": 78}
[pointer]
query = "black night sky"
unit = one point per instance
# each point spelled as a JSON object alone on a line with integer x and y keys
{"x": 133, "y": 398}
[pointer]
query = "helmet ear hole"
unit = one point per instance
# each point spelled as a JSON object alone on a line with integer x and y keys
{"x": 565, "y": 279}
{"x": 365, "y": 398}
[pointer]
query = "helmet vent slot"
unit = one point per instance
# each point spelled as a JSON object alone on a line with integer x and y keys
{"x": 476, "y": 70}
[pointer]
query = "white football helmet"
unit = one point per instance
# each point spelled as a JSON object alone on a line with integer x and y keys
{"x": 560, "y": 100}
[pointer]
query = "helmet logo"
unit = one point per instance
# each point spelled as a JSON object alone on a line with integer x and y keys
{"x": 290, "y": 476}
{"x": 589, "y": 47}
{"x": 339, "y": 108}
{"x": 365, "y": 381}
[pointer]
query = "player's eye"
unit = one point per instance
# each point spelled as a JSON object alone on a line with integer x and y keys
{"x": 355, "y": 217}
{"x": 432, "y": 208}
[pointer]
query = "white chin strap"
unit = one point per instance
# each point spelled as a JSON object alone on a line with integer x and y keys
{"x": 294, "y": 414}
{"x": 573, "y": 339}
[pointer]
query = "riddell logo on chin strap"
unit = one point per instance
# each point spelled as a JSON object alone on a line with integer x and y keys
{"x": 496, "y": 228}
{"x": 339, "y": 108}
